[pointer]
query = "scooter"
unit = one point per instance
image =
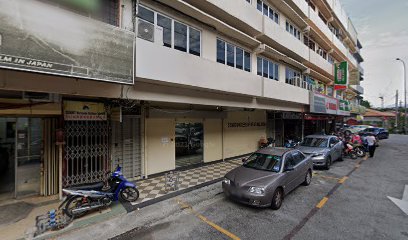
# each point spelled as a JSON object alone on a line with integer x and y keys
{"x": 291, "y": 143}
{"x": 80, "y": 201}
{"x": 270, "y": 143}
{"x": 349, "y": 151}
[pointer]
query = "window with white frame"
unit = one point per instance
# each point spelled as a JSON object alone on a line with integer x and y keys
{"x": 293, "y": 30}
{"x": 330, "y": 59}
{"x": 248, "y": 1}
{"x": 322, "y": 52}
{"x": 176, "y": 35}
{"x": 268, "y": 11}
{"x": 233, "y": 56}
{"x": 267, "y": 68}
{"x": 294, "y": 78}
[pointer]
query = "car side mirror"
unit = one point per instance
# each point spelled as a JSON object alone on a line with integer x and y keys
{"x": 331, "y": 145}
{"x": 289, "y": 168}
{"x": 244, "y": 160}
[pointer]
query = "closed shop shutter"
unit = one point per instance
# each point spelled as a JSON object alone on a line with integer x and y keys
{"x": 127, "y": 146}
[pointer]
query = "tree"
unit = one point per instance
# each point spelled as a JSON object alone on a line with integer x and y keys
{"x": 366, "y": 103}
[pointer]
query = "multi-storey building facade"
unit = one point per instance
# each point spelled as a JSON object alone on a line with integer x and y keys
{"x": 158, "y": 85}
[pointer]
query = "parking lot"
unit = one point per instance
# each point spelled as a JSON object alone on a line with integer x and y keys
{"x": 347, "y": 202}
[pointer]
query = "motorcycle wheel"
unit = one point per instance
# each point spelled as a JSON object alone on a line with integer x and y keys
{"x": 360, "y": 152}
{"x": 73, "y": 203}
{"x": 353, "y": 155}
{"x": 129, "y": 194}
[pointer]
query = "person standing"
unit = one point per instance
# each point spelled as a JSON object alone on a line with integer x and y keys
{"x": 371, "y": 141}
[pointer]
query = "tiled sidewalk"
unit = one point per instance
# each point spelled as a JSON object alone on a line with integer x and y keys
{"x": 155, "y": 187}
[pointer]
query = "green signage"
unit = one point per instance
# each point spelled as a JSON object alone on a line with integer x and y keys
{"x": 344, "y": 105}
{"x": 340, "y": 73}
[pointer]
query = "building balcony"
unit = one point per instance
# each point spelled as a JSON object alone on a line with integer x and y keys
{"x": 357, "y": 88}
{"x": 314, "y": 17}
{"x": 277, "y": 37}
{"x": 320, "y": 62}
{"x": 159, "y": 64}
{"x": 236, "y": 13}
{"x": 285, "y": 92}
{"x": 300, "y": 6}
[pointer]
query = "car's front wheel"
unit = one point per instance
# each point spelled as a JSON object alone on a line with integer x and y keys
{"x": 308, "y": 178}
{"x": 328, "y": 163}
{"x": 277, "y": 199}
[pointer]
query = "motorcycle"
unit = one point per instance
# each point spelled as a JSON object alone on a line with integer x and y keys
{"x": 349, "y": 151}
{"x": 359, "y": 150}
{"x": 270, "y": 143}
{"x": 87, "y": 198}
{"x": 291, "y": 143}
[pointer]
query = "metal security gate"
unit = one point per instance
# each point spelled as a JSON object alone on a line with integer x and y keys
{"x": 86, "y": 156}
{"x": 127, "y": 146}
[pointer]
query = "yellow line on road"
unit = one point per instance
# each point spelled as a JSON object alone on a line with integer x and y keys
{"x": 328, "y": 177}
{"x": 322, "y": 202}
{"x": 357, "y": 165}
{"x": 204, "y": 219}
{"x": 343, "y": 180}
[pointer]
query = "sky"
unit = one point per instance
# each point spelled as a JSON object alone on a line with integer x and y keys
{"x": 382, "y": 28}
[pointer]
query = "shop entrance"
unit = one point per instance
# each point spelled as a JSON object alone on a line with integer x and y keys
{"x": 189, "y": 144}
{"x": 20, "y": 156}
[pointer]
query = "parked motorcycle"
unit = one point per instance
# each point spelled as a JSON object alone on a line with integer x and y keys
{"x": 270, "y": 143}
{"x": 359, "y": 150}
{"x": 291, "y": 143}
{"x": 80, "y": 201}
{"x": 349, "y": 151}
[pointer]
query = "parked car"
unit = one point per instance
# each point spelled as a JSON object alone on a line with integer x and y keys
{"x": 267, "y": 176}
{"x": 356, "y": 129}
{"x": 323, "y": 149}
{"x": 380, "y": 133}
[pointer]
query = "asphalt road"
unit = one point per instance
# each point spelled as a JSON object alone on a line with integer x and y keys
{"x": 357, "y": 208}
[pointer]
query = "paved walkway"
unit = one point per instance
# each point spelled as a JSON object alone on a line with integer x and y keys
{"x": 151, "y": 190}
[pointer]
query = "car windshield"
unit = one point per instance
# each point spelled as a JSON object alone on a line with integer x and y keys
{"x": 315, "y": 142}
{"x": 265, "y": 162}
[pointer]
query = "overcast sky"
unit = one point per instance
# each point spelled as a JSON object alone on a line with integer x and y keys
{"x": 383, "y": 31}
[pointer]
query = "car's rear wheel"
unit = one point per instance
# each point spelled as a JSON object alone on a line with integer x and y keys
{"x": 308, "y": 178}
{"x": 328, "y": 163}
{"x": 277, "y": 199}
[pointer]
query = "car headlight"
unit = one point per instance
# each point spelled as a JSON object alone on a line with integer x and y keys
{"x": 318, "y": 156}
{"x": 257, "y": 190}
{"x": 226, "y": 181}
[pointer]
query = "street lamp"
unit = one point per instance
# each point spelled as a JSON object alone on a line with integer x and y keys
{"x": 405, "y": 95}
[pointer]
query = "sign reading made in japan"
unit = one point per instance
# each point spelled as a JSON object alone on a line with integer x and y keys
{"x": 38, "y": 37}
{"x": 84, "y": 111}
{"x": 323, "y": 104}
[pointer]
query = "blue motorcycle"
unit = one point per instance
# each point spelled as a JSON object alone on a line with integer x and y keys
{"x": 84, "y": 199}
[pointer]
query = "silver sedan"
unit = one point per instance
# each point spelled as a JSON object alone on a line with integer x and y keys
{"x": 267, "y": 175}
{"x": 323, "y": 149}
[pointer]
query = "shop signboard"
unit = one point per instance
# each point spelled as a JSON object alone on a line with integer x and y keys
{"x": 344, "y": 108}
{"x": 84, "y": 111}
{"x": 341, "y": 76}
{"x": 323, "y": 104}
{"x": 38, "y": 37}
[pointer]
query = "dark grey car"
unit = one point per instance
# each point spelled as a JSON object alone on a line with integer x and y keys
{"x": 324, "y": 149}
{"x": 267, "y": 176}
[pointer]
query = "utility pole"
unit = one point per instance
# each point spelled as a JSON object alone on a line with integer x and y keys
{"x": 396, "y": 110}
{"x": 382, "y": 102}
{"x": 405, "y": 95}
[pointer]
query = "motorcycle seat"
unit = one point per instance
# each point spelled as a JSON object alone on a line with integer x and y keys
{"x": 95, "y": 186}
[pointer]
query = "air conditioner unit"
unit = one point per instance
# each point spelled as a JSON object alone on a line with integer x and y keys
{"x": 145, "y": 30}
{"x": 41, "y": 97}
{"x": 158, "y": 33}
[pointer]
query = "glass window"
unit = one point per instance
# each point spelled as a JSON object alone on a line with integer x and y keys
{"x": 239, "y": 58}
{"x": 180, "y": 37}
{"x": 276, "y": 17}
{"x": 287, "y": 26}
{"x": 276, "y": 72}
{"x": 271, "y": 70}
{"x": 265, "y": 67}
{"x": 259, "y": 5}
{"x": 271, "y": 14}
{"x": 265, "y": 162}
{"x": 265, "y": 9}
{"x": 165, "y": 23}
{"x": 259, "y": 66}
{"x": 195, "y": 42}
{"x": 289, "y": 161}
{"x": 220, "y": 51}
{"x": 230, "y": 55}
{"x": 247, "y": 61}
{"x": 145, "y": 14}
{"x": 297, "y": 157}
